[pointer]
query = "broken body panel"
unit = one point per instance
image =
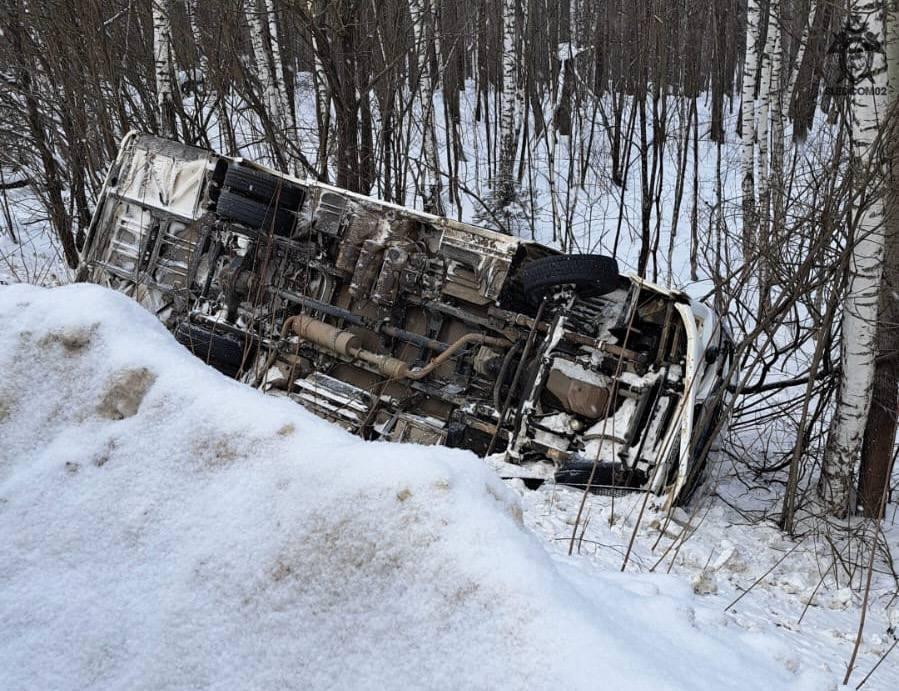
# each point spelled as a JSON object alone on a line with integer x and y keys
{"x": 401, "y": 325}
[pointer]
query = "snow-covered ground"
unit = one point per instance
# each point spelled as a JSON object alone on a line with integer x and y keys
{"x": 804, "y": 612}
{"x": 165, "y": 527}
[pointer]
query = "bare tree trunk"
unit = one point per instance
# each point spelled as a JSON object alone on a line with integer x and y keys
{"x": 800, "y": 54}
{"x": 645, "y": 191}
{"x": 162, "y": 59}
{"x": 322, "y": 100}
{"x": 769, "y": 87}
{"x": 429, "y": 173}
{"x": 694, "y": 215}
{"x": 565, "y": 54}
{"x": 859, "y": 341}
{"x": 747, "y": 125}
{"x": 280, "y": 86}
{"x": 685, "y": 117}
{"x": 776, "y": 183}
{"x": 346, "y": 98}
{"x": 880, "y": 431}
{"x": 810, "y": 70}
{"x": 264, "y": 69}
{"x": 512, "y": 95}
{"x": 193, "y": 18}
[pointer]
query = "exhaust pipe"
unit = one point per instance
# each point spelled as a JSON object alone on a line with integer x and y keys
{"x": 349, "y": 345}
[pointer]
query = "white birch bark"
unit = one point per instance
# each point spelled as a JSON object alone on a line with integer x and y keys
{"x": 519, "y": 91}
{"x": 768, "y": 91}
{"x": 279, "y": 84}
{"x": 880, "y": 427}
{"x": 430, "y": 171}
{"x": 747, "y": 125}
{"x": 774, "y": 189}
{"x": 512, "y": 95}
{"x": 162, "y": 59}
{"x": 858, "y": 347}
{"x": 260, "y": 56}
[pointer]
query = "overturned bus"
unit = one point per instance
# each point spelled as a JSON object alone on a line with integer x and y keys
{"x": 404, "y": 326}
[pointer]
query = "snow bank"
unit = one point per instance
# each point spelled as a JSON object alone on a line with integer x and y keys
{"x": 164, "y": 527}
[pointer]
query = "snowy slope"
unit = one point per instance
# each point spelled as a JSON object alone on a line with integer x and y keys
{"x": 787, "y": 595}
{"x": 200, "y": 535}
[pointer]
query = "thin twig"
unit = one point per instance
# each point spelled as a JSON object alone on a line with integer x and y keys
{"x": 882, "y": 658}
{"x": 764, "y": 575}
{"x": 812, "y": 596}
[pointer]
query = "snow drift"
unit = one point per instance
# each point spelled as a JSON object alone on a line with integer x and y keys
{"x": 164, "y": 527}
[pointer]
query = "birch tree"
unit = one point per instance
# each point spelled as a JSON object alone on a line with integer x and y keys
{"x": 512, "y": 100}
{"x": 858, "y": 347}
{"x": 274, "y": 98}
{"x": 322, "y": 99}
{"x": 162, "y": 60}
{"x": 775, "y": 184}
{"x": 279, "y": 85}
{"x": 260, "y": 56}
{"x": 768, "y": 90}
{"x": 747, "y": 124}
{"x": 880, "y": 430}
